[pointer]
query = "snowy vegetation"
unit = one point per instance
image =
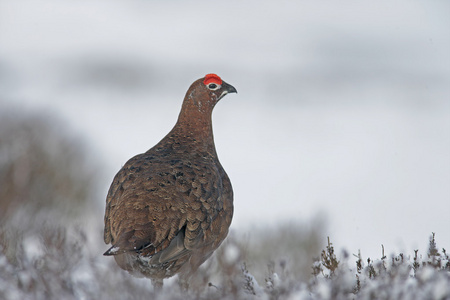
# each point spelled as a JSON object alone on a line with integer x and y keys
{"x": 58, "y": 263}
{"x": 44, "y": 254}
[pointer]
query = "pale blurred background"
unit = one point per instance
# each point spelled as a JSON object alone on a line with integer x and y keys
{"x": 343, "y": 110}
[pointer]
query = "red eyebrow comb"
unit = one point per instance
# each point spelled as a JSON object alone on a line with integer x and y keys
{"x": 212, "y": 78}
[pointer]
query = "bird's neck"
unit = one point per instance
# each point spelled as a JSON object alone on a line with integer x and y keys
{"x": 194, "y": 128}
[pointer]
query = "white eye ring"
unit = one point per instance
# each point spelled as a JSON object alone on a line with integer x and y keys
{"x": 213, "y": 86}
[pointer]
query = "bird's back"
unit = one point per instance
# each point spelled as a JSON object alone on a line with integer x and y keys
{"x": 166, "y": 206}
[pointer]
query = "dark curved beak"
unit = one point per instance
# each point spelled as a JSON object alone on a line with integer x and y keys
{"x": 228, "y": 87}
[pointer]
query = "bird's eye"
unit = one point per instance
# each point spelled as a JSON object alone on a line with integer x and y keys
{"x": 212, "y": 86}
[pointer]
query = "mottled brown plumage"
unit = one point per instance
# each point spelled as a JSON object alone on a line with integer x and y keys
{"x": 169, "y": 208}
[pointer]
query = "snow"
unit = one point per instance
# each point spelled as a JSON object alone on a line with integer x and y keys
{"x": 232, "y": 254}
{"x": 441, "y": 289}
{"x": 426, "y": 274}
{"x": 252, "y": 283}
{"x": 324, "y": 290}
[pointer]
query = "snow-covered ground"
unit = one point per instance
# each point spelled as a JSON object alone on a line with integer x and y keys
{"x": 343, "y": 108}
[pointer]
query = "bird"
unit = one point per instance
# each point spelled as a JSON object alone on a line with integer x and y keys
{"x": 168, "y": 209}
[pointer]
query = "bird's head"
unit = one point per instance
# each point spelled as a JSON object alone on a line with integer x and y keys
{"x": 217, "y": 88}
{"x": 207, "y": 91}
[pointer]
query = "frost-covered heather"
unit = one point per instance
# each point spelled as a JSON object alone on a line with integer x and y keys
{"x": 395, "y": 277}
{"x": 58, "y": 263}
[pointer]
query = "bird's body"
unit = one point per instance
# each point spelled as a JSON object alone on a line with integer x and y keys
{"x": 169, "y": 208}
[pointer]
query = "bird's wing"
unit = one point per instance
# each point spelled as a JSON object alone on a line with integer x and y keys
{"x": 154, "y": 208}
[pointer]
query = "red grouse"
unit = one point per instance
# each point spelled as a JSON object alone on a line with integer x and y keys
{"x": 169, "y": 208}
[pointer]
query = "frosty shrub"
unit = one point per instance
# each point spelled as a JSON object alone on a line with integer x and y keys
{"x": 61, "y": 263}
{"x": 43, "y": 169}
{"x": 396, "y": 277}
